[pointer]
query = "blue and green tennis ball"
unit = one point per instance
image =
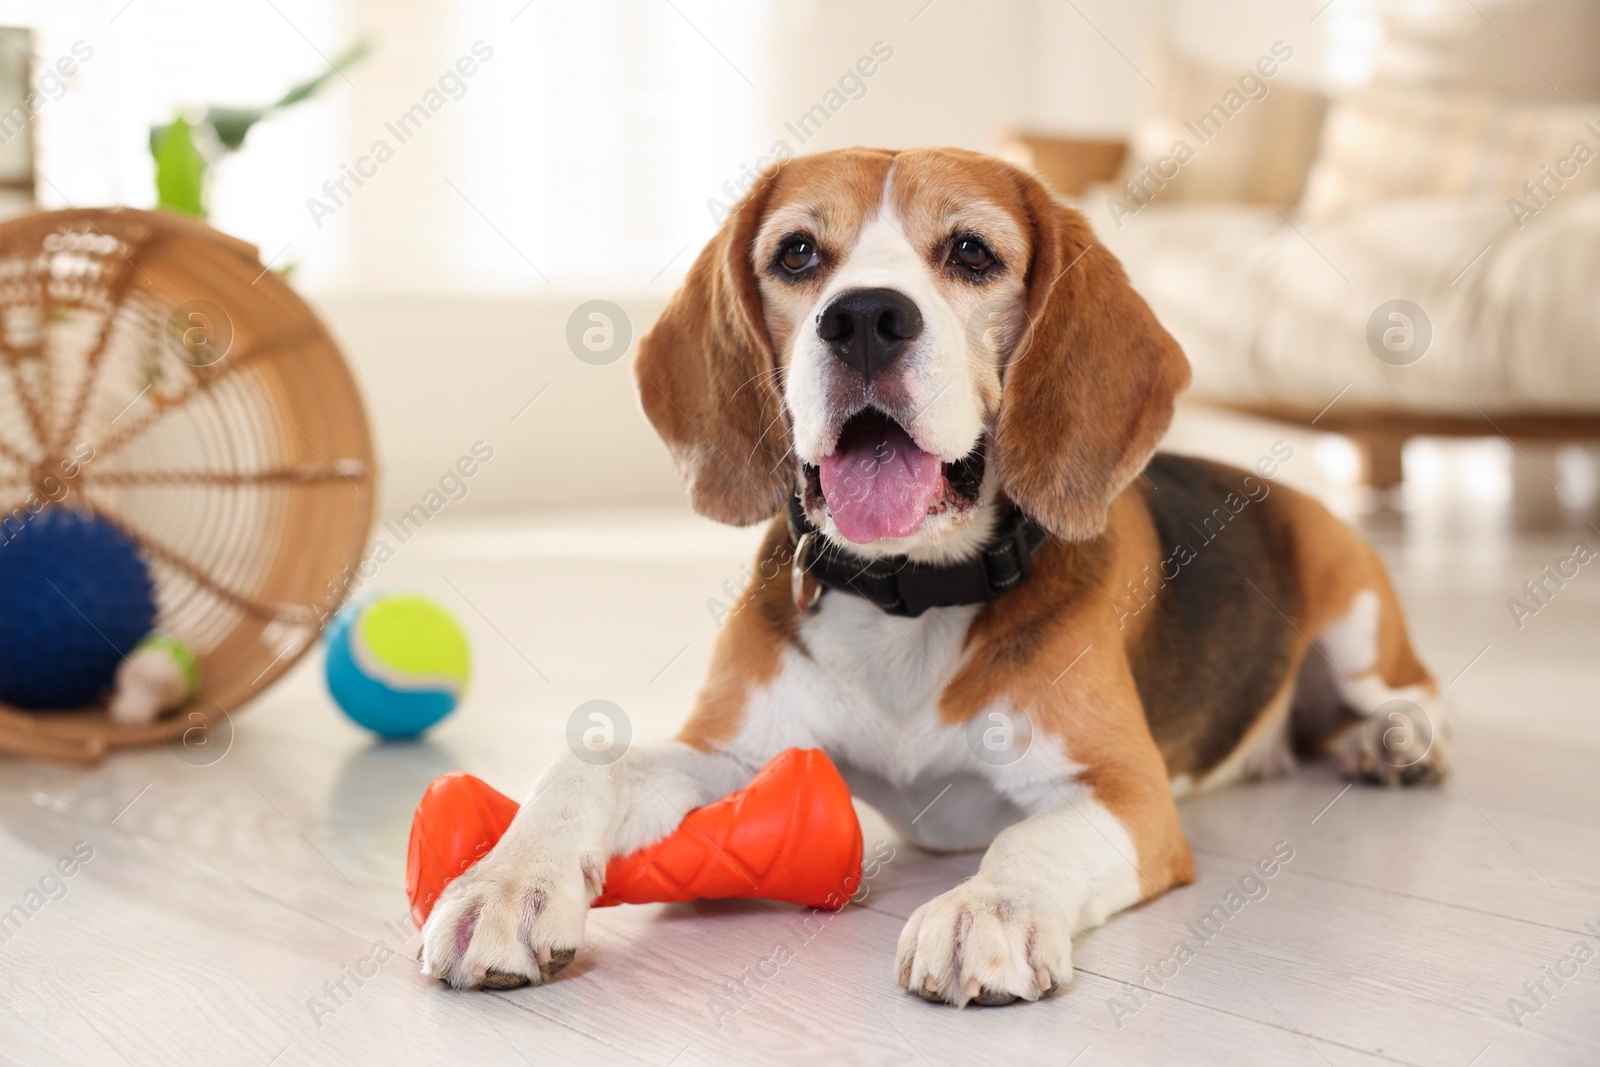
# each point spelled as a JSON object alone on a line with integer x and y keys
{"x": 75, "y": 597}
{"x": 397, "y": 663}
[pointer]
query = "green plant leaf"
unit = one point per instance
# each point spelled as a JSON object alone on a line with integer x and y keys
{"x": 232, "y": 124}
{"x": 349, "y": 57}
{"x": 180, "y": 170}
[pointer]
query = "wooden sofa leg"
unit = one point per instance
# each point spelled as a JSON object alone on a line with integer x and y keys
{"x": 1535, "y": 500}
{"x": 1381, "y": 467}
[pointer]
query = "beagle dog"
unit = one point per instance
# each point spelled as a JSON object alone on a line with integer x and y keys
{"x": 1008, "y": 622}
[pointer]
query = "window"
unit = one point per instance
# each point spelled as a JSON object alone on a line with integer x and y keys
{"x": 581, "y": 149}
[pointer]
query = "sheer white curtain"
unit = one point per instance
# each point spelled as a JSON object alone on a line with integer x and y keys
{"x": 580, "y": 149}
{"x": 599, "y": 133}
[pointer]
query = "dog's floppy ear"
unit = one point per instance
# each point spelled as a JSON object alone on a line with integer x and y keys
{"x": 706, "y": 373}
{"x": 1089, "y": 390}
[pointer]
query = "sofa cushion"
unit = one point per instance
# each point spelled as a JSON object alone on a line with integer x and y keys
{"x": 1386, "y": 143}
{"x": 1277, "y": 314}
{"x": 1519, "y": 51}
{"x": 1487, "y": 98}
{"x": 1246, "y": 133}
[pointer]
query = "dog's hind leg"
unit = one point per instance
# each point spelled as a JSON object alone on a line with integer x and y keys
{"x": 1362, "y": 692}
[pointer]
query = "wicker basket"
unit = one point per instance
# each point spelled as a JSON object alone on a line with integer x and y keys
{"x": 227, "y": 437}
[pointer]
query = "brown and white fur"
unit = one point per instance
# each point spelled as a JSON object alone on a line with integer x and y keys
{"x": 1281, "y": 632}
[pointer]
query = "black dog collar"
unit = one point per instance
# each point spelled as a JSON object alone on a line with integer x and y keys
{"x": 900, "y": 587}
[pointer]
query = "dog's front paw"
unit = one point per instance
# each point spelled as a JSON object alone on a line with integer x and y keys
{"x": 510, "y": 921}
{"x": 986, "y": 943}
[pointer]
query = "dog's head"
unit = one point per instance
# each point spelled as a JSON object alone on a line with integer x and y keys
{"x": 905, "y": 336}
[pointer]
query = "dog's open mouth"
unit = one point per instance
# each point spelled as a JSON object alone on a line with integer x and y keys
{"x": 878, "y": 483}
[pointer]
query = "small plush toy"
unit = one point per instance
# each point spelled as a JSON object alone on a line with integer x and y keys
{"x": 159, "y": 675}
{"x": 791, "y": 835}
{"x": 75, "y": 597}
{"x": 397, "y": 663}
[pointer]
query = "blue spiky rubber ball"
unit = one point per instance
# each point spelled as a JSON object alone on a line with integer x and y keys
{"x": 75, "y": 597}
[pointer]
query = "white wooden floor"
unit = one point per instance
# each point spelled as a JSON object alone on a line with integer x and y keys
{"x": 224, "y": 903}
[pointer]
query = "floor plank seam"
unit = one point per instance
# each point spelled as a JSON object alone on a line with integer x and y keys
{"x": 1250, "y": 1019}
{"x": 237, "y": 883}
{"x": 505, "y": 998}
{"x": 1318, "y": 876}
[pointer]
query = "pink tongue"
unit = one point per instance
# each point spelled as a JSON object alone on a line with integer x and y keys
{"x": 878, "y": 483}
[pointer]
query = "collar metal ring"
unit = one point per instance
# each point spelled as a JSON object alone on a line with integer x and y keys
{"x": 804, "y": 602}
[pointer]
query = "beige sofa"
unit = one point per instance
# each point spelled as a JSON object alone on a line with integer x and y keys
{"x": 1421, "y": 256}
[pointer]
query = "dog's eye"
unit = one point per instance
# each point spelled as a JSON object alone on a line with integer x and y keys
{"x": 971, "y": 253}
{"x": 797, "y": 255}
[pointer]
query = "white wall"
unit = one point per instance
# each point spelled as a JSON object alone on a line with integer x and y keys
{"x": 440, "y": 372}
{"x": 965, "y": 73}
{"x": 1333, "y": 42}
{"x": 1085, "y": 64}
{"x": 954, "y": 78}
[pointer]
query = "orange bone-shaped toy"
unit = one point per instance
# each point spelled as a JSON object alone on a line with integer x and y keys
{"x": 790, "y": 835}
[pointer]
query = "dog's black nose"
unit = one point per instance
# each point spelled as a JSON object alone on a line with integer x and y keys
{"x": 868, "y": 328}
